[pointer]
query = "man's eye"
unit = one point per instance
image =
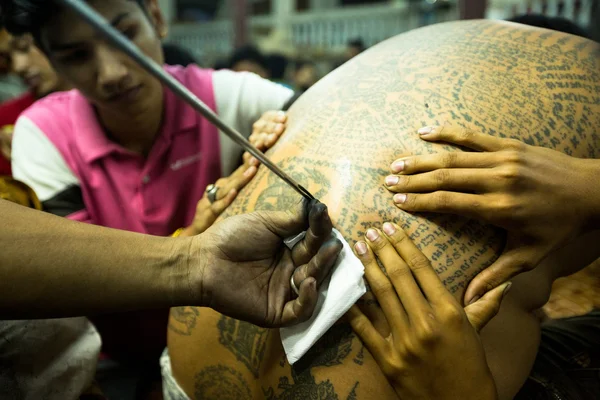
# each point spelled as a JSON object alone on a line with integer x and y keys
{"x": 130, "y": 32}
{"x": 76, "y": 56}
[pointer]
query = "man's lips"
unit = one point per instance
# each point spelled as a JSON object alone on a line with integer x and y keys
{"x": 126, "y": 95}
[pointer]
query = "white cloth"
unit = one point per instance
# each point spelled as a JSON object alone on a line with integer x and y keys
{"x": 339, "y": 292}
{"x": 50, "y": 359}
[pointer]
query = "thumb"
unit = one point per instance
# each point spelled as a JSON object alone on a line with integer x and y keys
{"x": 513, "y": 261}
{"x": 290, "y": 222}
{"x": 483, "y": 310}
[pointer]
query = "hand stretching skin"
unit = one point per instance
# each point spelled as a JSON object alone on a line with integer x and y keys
{"x": 543, "y": 198}
{"x": 266, "y": 132}
{"x": 229, "y": 187}
{"x": 430, "y": 335}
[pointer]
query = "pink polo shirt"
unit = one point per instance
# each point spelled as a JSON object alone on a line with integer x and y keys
{"x": 61, "y": 151}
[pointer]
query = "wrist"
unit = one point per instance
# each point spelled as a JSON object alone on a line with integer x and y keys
{"x": 187, "y": 272}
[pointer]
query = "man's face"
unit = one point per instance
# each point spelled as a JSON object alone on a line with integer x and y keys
{"x": 32, "y": 66}
{"x": 107, "y": 77}
{"x": 250, "y": 66}
{"x": 4, "y": 52}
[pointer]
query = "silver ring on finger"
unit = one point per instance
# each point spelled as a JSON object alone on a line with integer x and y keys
{"x": 293, "y": 285}
{"x": 211, "y": 193}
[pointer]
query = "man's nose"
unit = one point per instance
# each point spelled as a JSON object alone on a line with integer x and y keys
{"x": 112, "y": 72}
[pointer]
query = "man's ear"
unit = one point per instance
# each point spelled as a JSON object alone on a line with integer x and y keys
{"x": 157, "y": 18}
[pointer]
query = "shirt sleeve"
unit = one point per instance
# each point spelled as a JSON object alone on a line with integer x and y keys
{"x": 39, "y": 164}
{"x": 241, "y": 99}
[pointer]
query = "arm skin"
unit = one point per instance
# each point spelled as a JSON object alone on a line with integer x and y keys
{"x": 52, "y": 267}
{"x": 100, "y": 270}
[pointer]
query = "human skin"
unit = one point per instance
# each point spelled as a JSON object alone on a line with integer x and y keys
{"x": 502, "y": 79}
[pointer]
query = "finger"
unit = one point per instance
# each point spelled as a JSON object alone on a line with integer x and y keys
{"x": 259, "y": 125}
{"x": 464, "y": 180}
{"x": 250, "y": 160}
{"x": 430, "y": 162}
{"x": 512, "y": 262}
{"x": 463, "y": 137}
{"x": 239, "y": 178}
{"x": 221, "y": 205}
{"x": 320, "y": 228}
{"x": 367, "y": 333}
{"x": 383, "y": 289}
{"x": 429, "y": 284}
{"x": 302, "y": 308}
{"x": 467, "y": 205}
{"x": 371, "y": 308}
{"x": 320, "y": 265}
{"x": 399, "y": 273}
{"x": 483, "y": 310}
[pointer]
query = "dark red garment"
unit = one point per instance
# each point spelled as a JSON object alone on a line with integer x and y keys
{"x": 9, "y": 112}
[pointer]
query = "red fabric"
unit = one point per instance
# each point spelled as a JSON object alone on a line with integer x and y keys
{"x": 9, "y": 112}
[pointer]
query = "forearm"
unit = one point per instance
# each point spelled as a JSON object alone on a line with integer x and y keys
{"x": 52, "y": 267}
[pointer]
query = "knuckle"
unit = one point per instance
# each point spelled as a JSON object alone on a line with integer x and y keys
{"x": 427, "y": 331}
{"x": 452, "y": 314}
{"x": 466, "y": 135}
{"x": 449, "y": 159}
{"x": 515, "y": 145}
{"x": 394, "y": 367}
{"x": 384, "y": 288}
{"x": 442, "y": 200}
{"x": 418, "y": 262}
{"x": 396, "y": 274}
{"x": 441, "y": 176}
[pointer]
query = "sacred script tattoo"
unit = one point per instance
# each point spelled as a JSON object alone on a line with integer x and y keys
{"x": 246, "y": 341}
{"x": 537, "y": 86}
{"x": 183, "y": 320}
{"x": 221, "y": 382}
{"x": 331, "y": 350}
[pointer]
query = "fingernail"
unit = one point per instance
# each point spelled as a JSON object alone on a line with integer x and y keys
{"x": 361, "y": 248}
{"x": 389, "y": 229}
{"x": 281, "y": 114}
{"x": 474, "y": 299}
{"x": 398, "y": 166}
{"x": 392, "y": 180}
{"x": 425, "y": 130}
{"x": 372, "y": 235}
{"x": 506, "y": 289}
{"x": 400, "y": 198}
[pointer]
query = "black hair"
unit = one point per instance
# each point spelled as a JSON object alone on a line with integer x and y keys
{"x": 175, "y": 55}
{"x": 554, "y": 23}
{"x": 357, "y": 43}
{"x": 27, "y": 16}
{"x": 303, "y": 63}
{"x": 248, "y": 53}
{"x": 277, "y": 65}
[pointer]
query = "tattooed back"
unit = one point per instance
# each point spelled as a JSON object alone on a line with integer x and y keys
{"x": 534, "y": 85}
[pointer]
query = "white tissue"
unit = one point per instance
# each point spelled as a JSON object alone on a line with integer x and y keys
{"x": 337, "y": 293}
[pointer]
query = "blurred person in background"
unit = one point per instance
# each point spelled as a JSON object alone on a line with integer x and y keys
{"x": 176, "y": 55}
{"x": 249, "y": 59}
{"x": 34, "y": 69}
{"x": 10, "y": 85}
{"x": 278, "y": 66}
{"x": 554, "y": 23}
{"x": 305, "y": 75}
{"x": 354, "y": 48}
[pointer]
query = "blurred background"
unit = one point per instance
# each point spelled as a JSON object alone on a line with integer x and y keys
{"x": 325, "y": 33}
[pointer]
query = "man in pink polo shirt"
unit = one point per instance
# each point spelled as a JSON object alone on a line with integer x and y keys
{"x": 119, "y": 150}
